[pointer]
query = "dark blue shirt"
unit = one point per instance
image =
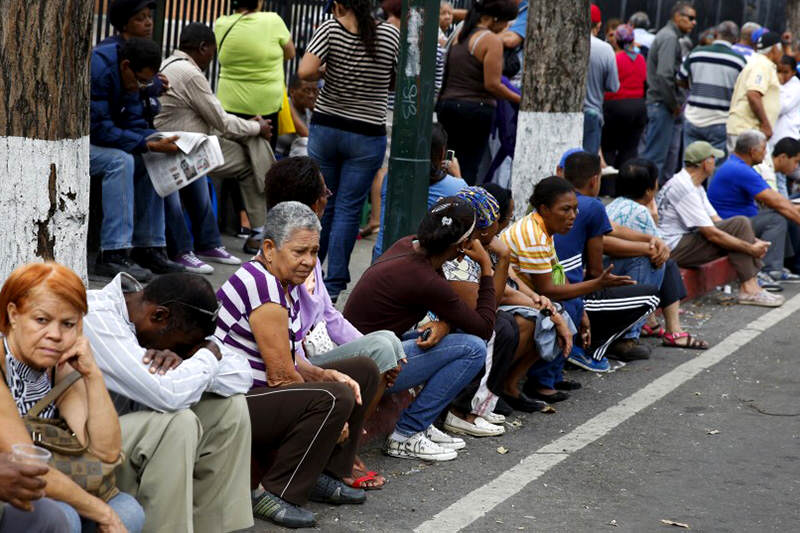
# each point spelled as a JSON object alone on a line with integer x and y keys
{"x": 592, "y": 221}
{"x": 734, "y": 187}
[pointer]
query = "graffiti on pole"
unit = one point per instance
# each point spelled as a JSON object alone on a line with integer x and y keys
{"x": 414, "y": 57}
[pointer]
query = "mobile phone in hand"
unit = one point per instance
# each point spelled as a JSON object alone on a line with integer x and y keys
{"x": 450, "y": 155}
{"x": 426, "y": 334}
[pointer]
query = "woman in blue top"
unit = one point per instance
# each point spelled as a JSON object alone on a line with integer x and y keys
{"x": 445, "y": 180}
{"x": 637, "y": 184}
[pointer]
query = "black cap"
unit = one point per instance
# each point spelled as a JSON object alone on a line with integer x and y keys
{"x": 121, "y": 11}
{"x": 767, "y": 39}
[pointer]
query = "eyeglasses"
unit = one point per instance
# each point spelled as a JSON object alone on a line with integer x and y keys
{"x": 691, "y": 18}
{"x": 212, "y": 314}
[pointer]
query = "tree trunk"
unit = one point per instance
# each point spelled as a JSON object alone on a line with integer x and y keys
{"x": 793, "y": 17}
{"x": 44, "y": 131}
{"x": 554, "y": 85}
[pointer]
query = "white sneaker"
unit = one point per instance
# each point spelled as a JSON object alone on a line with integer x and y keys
{"x": 494, "y": 418}
{"x": 418, "y": 446}
{"x": 481, "y": 428}
{"x": 193, "y": 264}
{"x": 437, "y": 436}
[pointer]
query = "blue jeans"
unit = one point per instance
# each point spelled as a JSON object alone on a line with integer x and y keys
{"x": 133, "y": 214}
{"x": 642, "y": 270}
{"x": 130, "y": 513}
{"x": 715, "y": 134}
{"x": 47, "y": 517}
{"x": 445, "y": 369}
{"x": 548, "y": 373}
{"x": 195, "y": 197}
{"x": 592, "y": 131}
{"x": 658, "y": 136}
{"x": 348, "y": 162}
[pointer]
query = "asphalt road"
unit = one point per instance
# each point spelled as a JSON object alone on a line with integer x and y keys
{"x": 716, "y": 448}
{"x": 714, "y": 453}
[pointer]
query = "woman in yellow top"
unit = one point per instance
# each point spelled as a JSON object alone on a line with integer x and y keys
{"x": 252, "y": 46}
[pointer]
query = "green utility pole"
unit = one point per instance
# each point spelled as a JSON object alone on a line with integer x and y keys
{"x": 409, "y": 162}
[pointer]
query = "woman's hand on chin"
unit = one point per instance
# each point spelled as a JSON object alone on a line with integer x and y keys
{"x": 80, "y": 357}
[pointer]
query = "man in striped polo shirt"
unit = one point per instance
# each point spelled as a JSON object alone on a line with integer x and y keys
{"x": 710, "y": 72}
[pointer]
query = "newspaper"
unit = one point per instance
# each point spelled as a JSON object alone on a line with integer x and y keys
{"x": 198, "y": 155}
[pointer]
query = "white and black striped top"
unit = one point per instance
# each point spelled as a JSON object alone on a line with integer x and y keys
{"x": 354, "y": 96}
{"x": 27, "y": 385}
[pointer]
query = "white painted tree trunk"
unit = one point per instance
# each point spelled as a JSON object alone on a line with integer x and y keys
{"x": 44, "y": 132}
{"x": 44, "y": 201}
{"x": 541, "y": 140}
{"x": 553, "y": 89}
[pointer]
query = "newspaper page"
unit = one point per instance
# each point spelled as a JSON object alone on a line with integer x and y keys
{"x": 198, "y": 155}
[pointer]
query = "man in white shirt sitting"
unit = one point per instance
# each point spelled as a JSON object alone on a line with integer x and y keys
{"x": 186, "y": 434}
{"x": 695, "y": 233}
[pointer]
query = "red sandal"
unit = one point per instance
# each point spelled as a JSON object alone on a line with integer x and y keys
{"x": 363, "y": 482}
{"x": 650, "y": 331}
{"x": 692, "y": 343}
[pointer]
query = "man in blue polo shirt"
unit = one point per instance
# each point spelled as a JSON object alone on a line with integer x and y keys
{"x": 735, "y": 189}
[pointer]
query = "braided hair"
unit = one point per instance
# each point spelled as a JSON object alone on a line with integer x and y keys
{"x": 487, "y": 210}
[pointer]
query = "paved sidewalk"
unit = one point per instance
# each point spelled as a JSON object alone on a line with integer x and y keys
{"x": 362, "y": 255}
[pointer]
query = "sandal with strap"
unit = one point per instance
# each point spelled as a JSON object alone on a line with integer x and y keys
{"x": 364, "y": 482}
{"x": 651, "y": 331}
{"x": 692, "y": 343}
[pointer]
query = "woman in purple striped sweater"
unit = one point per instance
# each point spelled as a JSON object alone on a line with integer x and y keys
{"x": 301, "y": 410}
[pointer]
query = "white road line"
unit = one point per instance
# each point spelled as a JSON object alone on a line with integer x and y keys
{"x": 480, "y": 501}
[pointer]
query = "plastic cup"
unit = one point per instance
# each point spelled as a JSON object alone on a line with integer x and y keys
{"x": 30, "y": 454}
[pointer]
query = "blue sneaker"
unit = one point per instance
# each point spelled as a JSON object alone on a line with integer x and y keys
{"x": 578, "y": 358}
{"x": 784, "y": 276}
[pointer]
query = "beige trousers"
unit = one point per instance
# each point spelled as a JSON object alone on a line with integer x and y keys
{"x": 190, "y": 469}
{"x": 247, "y": 162}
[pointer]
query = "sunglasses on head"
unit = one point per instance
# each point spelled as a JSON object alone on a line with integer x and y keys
{"x": 211, "y": 314}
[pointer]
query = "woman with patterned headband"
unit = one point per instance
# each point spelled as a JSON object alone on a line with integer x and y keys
{"x": 397, "y": 291}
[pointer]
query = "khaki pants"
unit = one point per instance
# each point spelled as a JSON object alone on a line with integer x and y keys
{"x": 190, "y": 469}
{"x": 239, "y": 166}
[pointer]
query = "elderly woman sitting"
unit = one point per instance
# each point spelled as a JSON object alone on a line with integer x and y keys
{"x": 299, "y": 411}
{"x": 327, "y": 335}
{"x": 41, "y": 309}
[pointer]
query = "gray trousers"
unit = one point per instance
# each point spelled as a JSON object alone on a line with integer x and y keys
{"x": 190, "y": 469}
{"x": 382, "y": 346}
{"x": 769, "y": 225}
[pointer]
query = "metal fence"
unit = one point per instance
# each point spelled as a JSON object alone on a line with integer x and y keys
{"x": 300, "y": 16}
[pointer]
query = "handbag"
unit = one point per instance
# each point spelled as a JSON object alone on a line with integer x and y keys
{"x": 72, "y": 458}
{"x": 317, "y": 341}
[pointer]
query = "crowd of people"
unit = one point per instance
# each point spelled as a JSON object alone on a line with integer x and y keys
{"x": 195, "y": 409}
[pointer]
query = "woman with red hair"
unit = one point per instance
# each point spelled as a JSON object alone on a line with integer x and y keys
{"x": 42, "y": 306}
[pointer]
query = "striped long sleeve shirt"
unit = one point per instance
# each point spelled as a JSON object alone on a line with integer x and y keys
{"x": 119, "y": 356}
